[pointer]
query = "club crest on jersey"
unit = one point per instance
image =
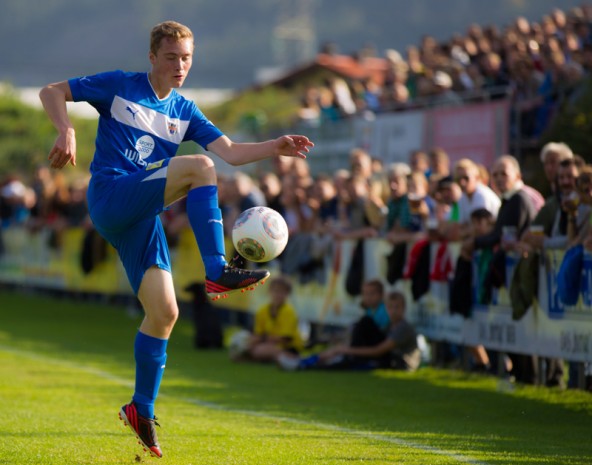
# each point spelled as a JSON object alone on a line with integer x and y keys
{"x": 173, "y": 127}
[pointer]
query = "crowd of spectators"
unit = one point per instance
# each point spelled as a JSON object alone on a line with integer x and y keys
{"x": 47, "y": 202}
{"x": 536, "y": 64}
{"x": 430, "y": 201}
{"x": 425, "y": 201}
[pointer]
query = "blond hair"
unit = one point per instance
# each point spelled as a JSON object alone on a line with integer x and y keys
{"x": 168, "y": 29}
{"x": 467, "y": 164}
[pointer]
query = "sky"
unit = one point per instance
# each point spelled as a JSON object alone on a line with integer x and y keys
{"x": 42, "y": 42}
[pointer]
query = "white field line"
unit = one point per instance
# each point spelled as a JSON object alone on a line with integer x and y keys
{"x": 325, "y": 426}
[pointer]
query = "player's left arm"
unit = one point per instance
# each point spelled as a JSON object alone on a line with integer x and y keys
{"x": 242, "y": 153}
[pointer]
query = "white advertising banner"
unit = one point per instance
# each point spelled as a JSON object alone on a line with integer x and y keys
{"x": 391, "y": 137}
{"x": 330, "y": 296}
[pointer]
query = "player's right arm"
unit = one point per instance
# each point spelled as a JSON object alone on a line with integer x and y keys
{"x": 54, "y": 97}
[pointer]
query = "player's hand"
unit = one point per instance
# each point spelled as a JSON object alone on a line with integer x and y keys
{"x": 64, "y": 150}
{"x": 293, "y": 146}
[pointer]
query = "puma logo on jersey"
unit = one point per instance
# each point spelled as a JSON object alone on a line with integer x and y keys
{"x": 212, "y": 220}
{"x": 131, "y": 110}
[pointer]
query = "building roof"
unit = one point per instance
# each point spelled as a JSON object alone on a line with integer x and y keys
{"x": 345, "y": 66}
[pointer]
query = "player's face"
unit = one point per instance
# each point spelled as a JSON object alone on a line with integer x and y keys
{"x": 172, "y": 61}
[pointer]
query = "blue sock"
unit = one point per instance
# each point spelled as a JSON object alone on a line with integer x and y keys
{"x": 205, "y": 218}
{"x": 150, "y": 354}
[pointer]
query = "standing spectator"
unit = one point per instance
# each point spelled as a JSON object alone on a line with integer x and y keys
{"x": 241, "y": 193}
{"x": 16, "y": 201}
{"x": 309, "y": 113}
{"x": 443, "y": 95}
{"x": 419, "y": 161}
{"x": 44, "y": 187}
{"x": 517, "y": 212}
{"x": 324, "y": 202}
{"x": 496, "y": 80}
{"x": 329, "y": 110}
{"x": 560, "y": 213}
{"x": 343, "y": 96}
{"x": 475, "y": 195}
{"x": 399, "y": 214}
{"x": 552, "y": 154}
{"x": 421, "y": 205}
{"x": 439, "y": 162}
{"x": 360, "y": 163}
{"x": 271, "y": 187}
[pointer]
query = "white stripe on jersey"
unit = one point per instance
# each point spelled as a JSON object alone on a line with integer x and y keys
{"x": 148, "y": 120}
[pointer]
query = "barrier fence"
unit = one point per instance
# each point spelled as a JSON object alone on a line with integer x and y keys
{"x": 73, "y": 262}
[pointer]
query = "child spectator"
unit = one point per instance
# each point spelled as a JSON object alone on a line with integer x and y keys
{"x": 396, "y": 348}
{"x": 276, "y": 325}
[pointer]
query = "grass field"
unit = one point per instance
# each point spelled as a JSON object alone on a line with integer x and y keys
{"x": 66, "y": 367}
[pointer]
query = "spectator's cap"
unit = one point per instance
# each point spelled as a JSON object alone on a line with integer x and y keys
{"x": 445, "y": 182}
{"x": 442, "y": 79}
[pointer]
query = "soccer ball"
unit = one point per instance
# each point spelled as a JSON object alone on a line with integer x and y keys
{"x": 260, "y": 234}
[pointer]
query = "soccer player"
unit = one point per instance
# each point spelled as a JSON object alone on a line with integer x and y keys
{"x": 135, "y": 176}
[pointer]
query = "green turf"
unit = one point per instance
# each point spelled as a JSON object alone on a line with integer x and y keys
{"x": 66, "y": 367}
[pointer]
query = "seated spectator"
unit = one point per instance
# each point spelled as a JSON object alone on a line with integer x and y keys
{"x": 276, "y": 326}
{"x": 397, "y": 349}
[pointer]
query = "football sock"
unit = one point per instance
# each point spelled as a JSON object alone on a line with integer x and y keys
{"x": 150, "y": 354}
{"x": 205, "y": 218}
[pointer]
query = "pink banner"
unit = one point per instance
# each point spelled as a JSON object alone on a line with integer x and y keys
{"x": 478, "y": 132}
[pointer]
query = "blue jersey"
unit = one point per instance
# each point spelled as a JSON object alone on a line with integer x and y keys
{"x": 136, "y": 128}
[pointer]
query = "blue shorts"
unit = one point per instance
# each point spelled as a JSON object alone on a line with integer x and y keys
{"x": 124, "y": 209}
